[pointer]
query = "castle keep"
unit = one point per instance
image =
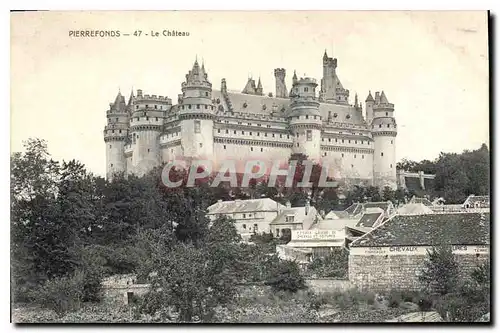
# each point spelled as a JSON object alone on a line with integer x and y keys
{"x": 219, "y": 125}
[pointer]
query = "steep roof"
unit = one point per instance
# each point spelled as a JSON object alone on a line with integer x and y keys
{"x": 334, "y": 224}
{"x": 369, "y": 98}
{"x": 299, "y": 216}
{"x": 241, "y": 206}
{"x": 254, "y": 104}
{"x": 383, "y": 98}
{"x": 354, "y": 209}
{"x": 368, "y": 219}
{"x": 384, "y": 205}
{"x": 424, "y": 201}
{"x": 429, "y": 230}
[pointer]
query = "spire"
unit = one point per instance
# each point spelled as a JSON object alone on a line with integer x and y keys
{"x": 203, "y": 64}
{"x": 131, "y": 98}
{"x": 370, "y": 97}
{"x": 259, "y": 85}
{"x": 294, "y": 78}
{"x": 356, "y": 99}
{"x": 383, "y": 99}
{"x": 325, "y": 56}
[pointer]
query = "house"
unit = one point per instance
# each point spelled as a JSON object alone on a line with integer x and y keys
{"x": 393, "y": 254}
{"x": 251, "y": 216}
{"x": 294, "y": 218}
{"x": 477, "y": 201}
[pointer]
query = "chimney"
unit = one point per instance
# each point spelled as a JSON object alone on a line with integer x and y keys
{"x": 278, "y": 208}
{"x": 288, "y": 204}
{"x": 139, "y": 92}
{"x": 421, "y": 177}
{"x": 219, "y": 201}
{"x": 307, "y": 207}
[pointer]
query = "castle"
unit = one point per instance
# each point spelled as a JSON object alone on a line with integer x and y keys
{"x": 358, "y": 146}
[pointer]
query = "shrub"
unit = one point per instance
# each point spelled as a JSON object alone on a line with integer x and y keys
{"x": 286, "y": 276}
{"x": 333, "y": 265}
{"x": 62, "y": 294}
{"x": 395, "y": 298}
{"x": 456, "y": 307}
{"x": 440, "y": 272}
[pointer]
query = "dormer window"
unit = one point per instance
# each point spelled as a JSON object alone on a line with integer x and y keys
{"x": 289, "y": 218}
{"x": 335, "y": 115}
{"x": 245, "y": 105}
{"x": 348, "y": 116}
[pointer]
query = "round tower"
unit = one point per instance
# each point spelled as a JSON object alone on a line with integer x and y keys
{"x": 197, "y": 114}
{"x": 115, "y": 135}
{"x": 146, "y": 124}
{"x": 305, "y": 119}
{"x": 384, "y": 132}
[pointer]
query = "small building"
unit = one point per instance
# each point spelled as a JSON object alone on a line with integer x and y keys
{"x": 477, "y": 201}
{"x": 294, "y": 218}
{"x": 251, "y": 216}
{"x": 305, "y": 245}
{"x": 123, "y": 288}
{"x": 414, "y": 209}
{"x": 393, "y": 254}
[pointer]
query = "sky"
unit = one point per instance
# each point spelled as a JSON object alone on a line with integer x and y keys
{"x": 432, "y": 65}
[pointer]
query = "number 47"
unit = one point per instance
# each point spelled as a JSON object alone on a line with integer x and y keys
{"x": 137, "y": 33}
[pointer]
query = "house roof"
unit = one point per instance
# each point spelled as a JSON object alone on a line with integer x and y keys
{"x": 299, "y": 214}
{"x": 384, "y": 205}
{"x": 430, "y": 229}
{"x": 242, "y": 206}
{"x": 483, "y": 200}
{"x": 417, "y": 200}
{"x": 368, "y": 219}
{"x": 334, "y": 224}
{"x": 336, "y": 214}
{"x": 354, "y": 209}
{"x": 414, "y": 209}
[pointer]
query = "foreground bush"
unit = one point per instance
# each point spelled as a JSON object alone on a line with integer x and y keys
{"x": 286, "y": 276}
{"x": 334, "y": 265}
{"x": 62, "y": 295}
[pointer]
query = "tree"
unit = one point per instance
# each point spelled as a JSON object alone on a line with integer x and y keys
{"x": 440, "y": 272}
{"x": 286, "y": 276}
{"x": 388, "y": 194}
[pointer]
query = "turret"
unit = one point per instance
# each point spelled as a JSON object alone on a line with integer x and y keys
{"x": 384, "y": 132}
{"x": 369, "y": 107}
{"x": 115, "y": 135}
{"x": 305, "y": 119}
{"x": 146, "y": 123}
{"x": 279, "y": 75}
{"x": 197, "y": 114}
{"x": 332, "y": 90}
{"x": 259, "y": 90}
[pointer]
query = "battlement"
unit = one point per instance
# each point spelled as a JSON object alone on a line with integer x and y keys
{"x": 151, "y": 98}
{"x": 196, "y": 85}
{"x": 388, "y": 106}
{"x": 279, "y": 72}
{"x": 307, "y": 80}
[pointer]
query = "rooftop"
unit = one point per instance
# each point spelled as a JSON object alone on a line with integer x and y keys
{"x": 429, "y": 230}
{"x": 242, "y": 206}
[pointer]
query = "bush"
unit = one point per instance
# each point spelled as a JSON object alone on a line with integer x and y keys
{"x": 456, "y": 307}
{"x": 286, "y": 276}
{"x": 395, "y": 298}
{"x": 333, "y": 265}
{"x": 62, "y": 294}
{"x": 440, "y": 273}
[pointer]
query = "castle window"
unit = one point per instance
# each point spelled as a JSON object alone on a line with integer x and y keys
{"x": 281, "y": 136}
{"x": 227, "y": 131}
{"x": 244, "y": 226}
{"x": 206, "y": 93}
{"x": 356, "y": 141}
{"x": 348, "y": 116}
{"x": 309, "y": 135}
{"x": 381, "y": 154}
{"x": 116, "y": 119}
{"x": 261, "y": 150}
{"x": 147, "y": 118}
{"x": 250, "y": 133}
{"x": 391, "y": 166}
{"x": 245, "y": 105}
{"x": 387, "y": 113}
{"x": 156, "y": 106}
{"x": 388, "y": 125}
{"x": 354, "y": 155}
{"x": 336, "y": 140}
{"x": 137, "y": 106}
{"x": 197, "y": 106}
{"x": 314, "y": 117}
{"x": 171, "y": 151}
{"x": 265, "y": 134}
{"x": 362, "y": 157}
{"x": 148, "y": 150}
{"x": 147, "y": 106}
{"x": 224, "y": 146}
{"x": 121, "y": 131}
{"x": 251, "y": 148}
{"x": 243, "y": 132}
{"x": 111, "y": 164}
{"x": 342, "y": 154}
{"x": 201, "y": 145}
{"x": 239, "y": 122}
{"x": 352, "y": 165}
{"x": 259, "y": 124}
{"x": 109, "y": 146}
{"x": 325, "y": 153}
{"x": 273, "y": 135}
{"x": 335, "y": 115}
{"x": 112, "y": 131}
{"x": 342, "y": 140}
{"x": 189, "y": 106}
{"x": 297, "y": 144}
{"x": 137, "y": 118}
{"x": 392, "y": 142}
{"x": 288, "y": 136}
{"x": 268, "y": 126}
{"x": 361, "y": 141}
{"x": 307, "y": 117}
{"x": 218, "y": 130}
{"x": 206, "y": 107}
{"x": 258, "y": 133}
{"x": 249, "y": 124}
{"x": 255, "y": 227}
{"x": 197, "y": 125}
{"x": 182, "y": 107}
{"x": 234, "y": 132}
{"x": 349, "y": 141}
{"x": 156, "y": 118}
{"x": 306, "y": 89}
{"x": 380, "y": 126}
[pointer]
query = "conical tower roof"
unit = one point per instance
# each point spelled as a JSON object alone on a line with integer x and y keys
{"x": 369, "y": 98}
